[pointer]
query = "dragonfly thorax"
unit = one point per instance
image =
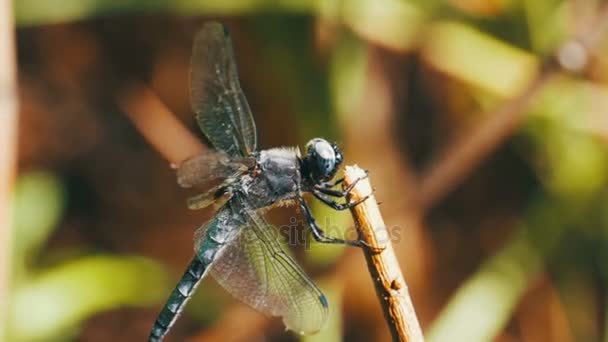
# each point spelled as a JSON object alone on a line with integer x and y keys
{"x": 276, "y": 177}
{"x": 321, "y": 161}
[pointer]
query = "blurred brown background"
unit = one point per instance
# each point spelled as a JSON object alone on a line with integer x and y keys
{"x": 483, "y": 125}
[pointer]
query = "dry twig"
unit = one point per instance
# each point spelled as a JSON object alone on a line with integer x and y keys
{"x": 383, "y": 266}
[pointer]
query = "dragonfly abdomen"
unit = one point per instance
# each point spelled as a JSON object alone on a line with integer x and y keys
{"x": 178, "y": 298}
{"x": 214, "y": 235}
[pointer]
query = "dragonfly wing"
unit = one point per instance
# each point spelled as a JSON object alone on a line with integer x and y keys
{"x": 222, "y": 111}
{"x": 255, "y": 269}
{"x": 209, "y": 166}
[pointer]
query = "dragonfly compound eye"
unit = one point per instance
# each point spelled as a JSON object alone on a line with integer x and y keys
{"x": 323, "y": 157}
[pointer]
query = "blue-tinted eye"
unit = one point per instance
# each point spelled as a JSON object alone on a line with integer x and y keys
{"x": 323, "y": 155}
{"x": 326, "y": 166}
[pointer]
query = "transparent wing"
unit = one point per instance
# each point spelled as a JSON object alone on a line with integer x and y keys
{"x": 220, "y": 106}
{"x": 211, "y": 166}
{"x": 255, "y": 269}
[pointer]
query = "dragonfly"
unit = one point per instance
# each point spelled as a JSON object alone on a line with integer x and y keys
{"x": 237, "y": 245}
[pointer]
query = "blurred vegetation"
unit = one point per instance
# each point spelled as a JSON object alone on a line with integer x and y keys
{"x": 516, "y": 251}
{"x": 53, "y": 294}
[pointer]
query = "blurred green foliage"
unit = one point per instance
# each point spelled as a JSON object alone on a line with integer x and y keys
{"x": 50, "y": 302}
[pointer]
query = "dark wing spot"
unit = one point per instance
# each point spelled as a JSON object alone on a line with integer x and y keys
{"x": 323, "y": 301}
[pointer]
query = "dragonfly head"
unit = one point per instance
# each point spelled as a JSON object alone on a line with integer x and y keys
{"x": 322, "y": 159}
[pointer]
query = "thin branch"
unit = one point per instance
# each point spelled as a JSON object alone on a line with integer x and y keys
{"x": 391, "y": 288}
{"x": 8, "y": 148}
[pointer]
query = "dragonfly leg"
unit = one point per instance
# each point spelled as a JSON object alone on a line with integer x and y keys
{"x": 319, "y": 234}
{"x": 331, "y": 184}
{"x": 327, "y": 188}
{"x": 336, "y": 205}
{"x": 330, "y": 192}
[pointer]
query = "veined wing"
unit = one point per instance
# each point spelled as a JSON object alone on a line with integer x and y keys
{"x": 221, "y": 108}
{"x": 209, "y": 166}
{"x": 255, "y": 269}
